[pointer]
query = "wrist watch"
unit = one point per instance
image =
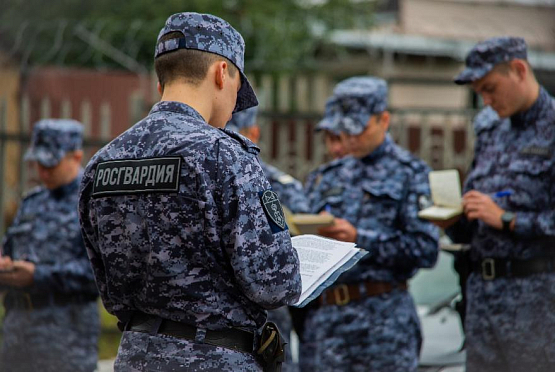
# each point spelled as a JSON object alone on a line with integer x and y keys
{"x": 506, "y": 219}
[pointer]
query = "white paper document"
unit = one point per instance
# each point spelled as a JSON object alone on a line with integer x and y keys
{"x": 322, "y": 260}
{"x": 446, "y": 194}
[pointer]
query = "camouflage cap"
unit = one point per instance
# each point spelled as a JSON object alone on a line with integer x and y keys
{"x": 485, "y": 55}
{"x": 353, "y": 102}
{"x": 52, "y": 139}
{"x": 243, "y": 119}
{"x": 332, "y": 117}
{"x": 211, "y": 34}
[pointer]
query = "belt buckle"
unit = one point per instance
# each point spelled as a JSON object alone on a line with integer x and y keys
{"x": 341, "y": 290}
{"x": 488, "y": 269}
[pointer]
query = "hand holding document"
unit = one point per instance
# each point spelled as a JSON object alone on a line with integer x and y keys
{"x": 446, "y": 195}
{"x": 322, "y": 260}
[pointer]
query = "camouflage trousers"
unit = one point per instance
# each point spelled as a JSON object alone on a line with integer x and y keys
{"x": 380, "y": 334}
{"x": 510, "y": 324}
{"x": 144, "y": 352}
{"x": 52, "y": 339}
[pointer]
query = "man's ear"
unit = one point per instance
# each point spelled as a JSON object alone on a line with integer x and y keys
{"x": 520, "y": 68}
{"x": 159, "y": 88}
{"x": 384, "y": 119}
{"x": 77, "y": 155}
{"x": 221, "y": 70}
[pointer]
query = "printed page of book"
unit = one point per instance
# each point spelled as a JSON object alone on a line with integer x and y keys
{"x": 319, "y": 258}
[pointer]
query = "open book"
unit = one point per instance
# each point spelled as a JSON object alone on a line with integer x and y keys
{"x": 305, "y": 223}
{"x": 322, "y": 260}
{"x": 446, "y": 194}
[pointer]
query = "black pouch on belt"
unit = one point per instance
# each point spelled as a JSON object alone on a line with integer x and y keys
{"x": 271, "y": 351}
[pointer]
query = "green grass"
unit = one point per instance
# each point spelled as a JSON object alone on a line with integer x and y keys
{"x": 109, "y": 335}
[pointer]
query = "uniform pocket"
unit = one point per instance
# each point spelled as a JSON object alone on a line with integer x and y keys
{"x": 381, "y": 202}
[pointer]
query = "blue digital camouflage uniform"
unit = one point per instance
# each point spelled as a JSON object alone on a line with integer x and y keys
{"x": 178, "y": 230}
{"x": 331, "y": 123}
{"x": 289, "y": 189}
{"x": 291, "y": 194}
{"x": 379, "y": 194}
{"x": 510, "y": 322}
{"x": 59, "y": 336}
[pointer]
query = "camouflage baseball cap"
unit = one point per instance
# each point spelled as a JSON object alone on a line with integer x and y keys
{"x": 485, "y": 55}
{"x": 353, "y": 102}
{"x": 212, "y": 34}
{"x": 52, "y": 139}
{"x": 243, "y": 119}
{"x": 332, "y": 117}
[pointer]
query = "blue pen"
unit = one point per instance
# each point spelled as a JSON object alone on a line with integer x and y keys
{"x": 501, "y": 194}
{"x": 327, "y": 208}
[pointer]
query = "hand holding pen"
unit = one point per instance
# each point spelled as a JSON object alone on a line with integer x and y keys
{"x": 481, "y": 206}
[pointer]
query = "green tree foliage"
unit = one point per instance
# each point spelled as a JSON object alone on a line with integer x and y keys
{"x": 280, "y": 34}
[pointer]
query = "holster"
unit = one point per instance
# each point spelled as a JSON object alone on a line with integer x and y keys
{"x": 271, "y": 351}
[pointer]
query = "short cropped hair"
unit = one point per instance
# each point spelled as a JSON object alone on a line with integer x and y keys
{"x": 189, "y": 65}
{"x": 505, "y": 67}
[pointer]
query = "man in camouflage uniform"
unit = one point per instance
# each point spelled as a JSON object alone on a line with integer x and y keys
{"x": 367, "y": 321}
{"x": 335, "y": 148}
{"x": 509, "y": 214}
{"x": 290, "y": 193}
{"x": 188, "y": 243}
{"x": 51, "y": 321}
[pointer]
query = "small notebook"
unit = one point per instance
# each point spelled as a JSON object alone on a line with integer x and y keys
{"x": 445, "y": 186}
{"x": 310, "y": 223}
{"x": 305, "y": 223}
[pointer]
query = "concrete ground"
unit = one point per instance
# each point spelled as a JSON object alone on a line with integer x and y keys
{"x": 105, "y": 366}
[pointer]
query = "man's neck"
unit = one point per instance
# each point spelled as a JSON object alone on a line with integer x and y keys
{"x": 193, "y": 96}
{"x": 534, "y": 92}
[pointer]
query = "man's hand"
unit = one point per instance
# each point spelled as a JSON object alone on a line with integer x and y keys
{"x": 6, "y": 263}
{"x": 21, "y": 275}
{"x": 479, "y": 206}
{"x": 340, "y": 230}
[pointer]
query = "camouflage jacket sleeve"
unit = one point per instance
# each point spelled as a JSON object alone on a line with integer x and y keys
{"x": 72, "y": 276}
{"x": 290, "y": 191}
{"x": 46, "y": 232}
{"x": 412, "y": 243}
{"x": 88, "y": 221}
{"x": 540, "y": 222}
{"x": 6, "y": 245}
{"x": 265, "y": 264}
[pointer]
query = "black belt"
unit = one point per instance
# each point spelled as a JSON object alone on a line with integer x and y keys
{"x": 26, "y": 301}
{"x": 231, "y": 338}
{"x": 491, "y": 268}
{"x": 344, "y": 293}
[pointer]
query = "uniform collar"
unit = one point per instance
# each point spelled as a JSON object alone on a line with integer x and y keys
{"x": 177, "y": 107}
{"x": 379, "y": 151}
{"x": 531, "y": 115}
{"x": 68, "y": 188}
